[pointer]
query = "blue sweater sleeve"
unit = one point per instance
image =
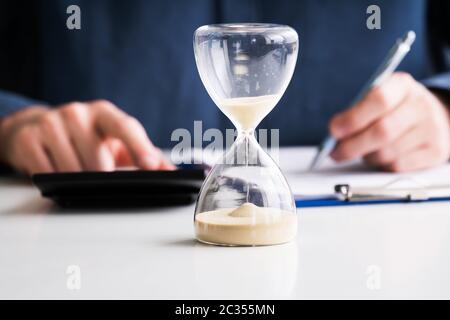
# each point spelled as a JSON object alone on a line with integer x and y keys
{"x": 440, "y": 81}
{"x": 11, "y": 102}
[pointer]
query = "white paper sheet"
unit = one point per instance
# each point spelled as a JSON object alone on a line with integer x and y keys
{"x": 295, "y": 162}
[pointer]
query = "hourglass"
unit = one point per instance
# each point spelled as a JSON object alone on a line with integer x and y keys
{"x": 245, "y": 199}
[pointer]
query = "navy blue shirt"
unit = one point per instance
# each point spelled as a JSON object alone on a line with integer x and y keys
{"x": 139, "y": 55}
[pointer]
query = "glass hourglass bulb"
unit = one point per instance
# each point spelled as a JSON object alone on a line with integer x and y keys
{"x": 245, "y": 199}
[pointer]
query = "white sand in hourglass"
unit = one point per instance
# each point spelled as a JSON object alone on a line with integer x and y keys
{"x": 246, "y": 225}
{"x": 249, "y": 111}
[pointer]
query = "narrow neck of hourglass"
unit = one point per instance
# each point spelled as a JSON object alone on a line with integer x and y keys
{"x": 246, "y": 132}
{"x": 247, "y": 136}
{"x": 246, "y": 147}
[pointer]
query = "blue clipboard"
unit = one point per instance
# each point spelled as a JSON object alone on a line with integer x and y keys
{"x": 345, "y": 195}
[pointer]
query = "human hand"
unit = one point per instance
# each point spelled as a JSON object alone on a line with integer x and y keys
{"x": 399, "y": 126}
{"x": 94, "y": 136}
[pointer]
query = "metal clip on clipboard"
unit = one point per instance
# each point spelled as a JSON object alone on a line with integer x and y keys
{"x": 345, "y": 194}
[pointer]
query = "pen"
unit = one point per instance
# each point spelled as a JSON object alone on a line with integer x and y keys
{"x": 387, "y": 67}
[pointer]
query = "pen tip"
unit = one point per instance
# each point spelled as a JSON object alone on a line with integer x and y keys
{"x": 410, "y": 37}
{"x": 315, "y": 162}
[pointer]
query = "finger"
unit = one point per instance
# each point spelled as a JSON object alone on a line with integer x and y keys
{"x": 379, "y": 101}
{"x": 31, "y": 157}
{"x": 115, "y": 123}
{"x": 410, "y": 140}
{"x": 123, "y": 158}
{"x": 380, "y": 133}
{"x": 38, "y": 161}
{"x": 56, "y": 141}
{"x": 164, "y": 164}
{"x": 94, "y": 155}
{"x": 167, "y": 165}
{"x": 120, "y": 153}
{"x": 417, "y": 159}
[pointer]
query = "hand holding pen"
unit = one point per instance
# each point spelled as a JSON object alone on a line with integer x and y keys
{"x": 395, "y": 123}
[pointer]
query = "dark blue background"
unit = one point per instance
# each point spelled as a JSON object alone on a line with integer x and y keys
{"x": 139, "y": 55}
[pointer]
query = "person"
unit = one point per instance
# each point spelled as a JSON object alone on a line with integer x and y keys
{"x": 71, "y": 98}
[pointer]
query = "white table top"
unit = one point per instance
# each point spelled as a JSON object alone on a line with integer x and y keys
{"x": 384, "y": 251}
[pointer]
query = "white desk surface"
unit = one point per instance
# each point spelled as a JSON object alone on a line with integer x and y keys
{"x": 384, "y": 251}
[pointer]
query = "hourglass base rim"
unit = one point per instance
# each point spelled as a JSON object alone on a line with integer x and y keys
{"x": 220, "y": 244}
